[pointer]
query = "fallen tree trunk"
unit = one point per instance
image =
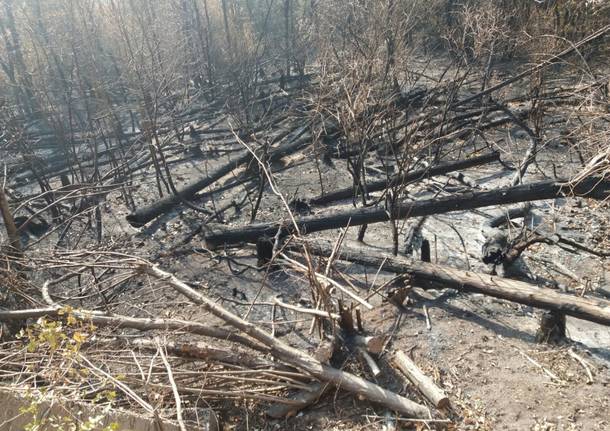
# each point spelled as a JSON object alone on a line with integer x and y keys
{"x": 427, "y": 275}
{"x": 592, "y": 187}
{"x": 314, "y": 391}
{"x": 509, "y": 215}
{"x": 408, "y": 177}
{"x": 295, "y": 357}
{"x": 148, "y": 213}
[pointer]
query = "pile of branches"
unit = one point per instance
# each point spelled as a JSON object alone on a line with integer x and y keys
{"x": 80, "y": 352}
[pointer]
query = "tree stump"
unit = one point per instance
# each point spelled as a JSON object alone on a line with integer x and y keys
{"x": 552, "y": 328}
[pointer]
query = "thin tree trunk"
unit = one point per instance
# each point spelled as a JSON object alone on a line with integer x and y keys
{"x": 9, "y": 223}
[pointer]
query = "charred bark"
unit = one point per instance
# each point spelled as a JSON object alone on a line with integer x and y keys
{"x": 593, "y": 187}
{"x": 408, "y": 177}
{"x": 146, "y": 214}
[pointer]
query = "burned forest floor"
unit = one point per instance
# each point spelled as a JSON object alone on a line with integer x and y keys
{"x": 481, "y": 350}
{"x": 484, "y": 352}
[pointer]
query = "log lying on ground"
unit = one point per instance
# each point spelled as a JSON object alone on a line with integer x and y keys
{"x": 429, "y": 275}
{"x": 292, "y": 356}
{"x": 592, "y": 187}
{"x": 426, "y": 386}
{"x": 408, "y": 177}
{"x": 148, "y": 213}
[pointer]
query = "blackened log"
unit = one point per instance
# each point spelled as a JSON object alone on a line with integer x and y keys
{"x": 147, "y": 214}
{"x": 593, "y": 187}
{"x": 408, "y": 177}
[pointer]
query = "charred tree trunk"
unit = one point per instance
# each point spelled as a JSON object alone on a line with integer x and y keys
{"x": 593, "y": 187}
{"x": 149, "y": 213}
{"x": 407, "y": 177}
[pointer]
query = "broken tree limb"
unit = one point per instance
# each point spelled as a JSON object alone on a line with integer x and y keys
{"x": 582, "y": 362}
{"x": 368, "y": 359}
{"x": 148, "y": 213}
{"x": 426, "y": 386}
{"x": 310, "y": 311}
{"x": 292, "y": 356}
{"x": 372, "y": 344}
{"x": 141, "y": 324}
{"x": 578, "y": 246}
{"x": 593, "y": 187}
{"x": 426, "y": 275}
{"x": 408, "y": 177}
{"x": 507, "y": 216}
{"x": 314, "y": 391}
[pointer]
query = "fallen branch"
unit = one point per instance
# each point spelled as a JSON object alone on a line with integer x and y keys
{"x": 142, "y": 324}
{"x": 170, "y": 376}
{"x": 199, "y": 350}
{"x": 310, "y": 311}
{"x": 369, "y": 361}
{"x": 372, "y": 344}
{"x": 292, "y": 356}
{"x": 582, "y": 362}
{"x": 301, "y": 400}
{"x": 146, "y": 214}
{"x": 312, "y": 393}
